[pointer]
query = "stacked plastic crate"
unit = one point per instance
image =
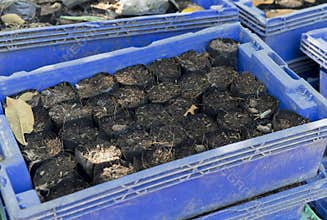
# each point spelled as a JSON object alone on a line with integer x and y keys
{"x": 314, "y": 44}
{"x": 283, "y": 33}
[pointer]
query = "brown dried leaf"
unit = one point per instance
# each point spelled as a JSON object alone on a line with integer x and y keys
{"x": 191, "y": 110}
{"x": 20, "y": 118}
{"x": 27, "y": 96}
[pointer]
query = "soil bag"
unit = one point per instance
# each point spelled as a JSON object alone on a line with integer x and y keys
{"x": 25, "y": 9}
{"x": 140, "y": 7}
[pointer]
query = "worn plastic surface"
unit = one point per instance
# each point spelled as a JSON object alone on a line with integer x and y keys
{"x": 282, "y": 33}
{"x": 287, "y": 204}
{"x": 29, "y": 49}
{"x": 196, "y": 184}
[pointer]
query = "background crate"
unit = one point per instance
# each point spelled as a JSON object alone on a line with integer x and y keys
{"x": 196, "y": 184}
{"x": 314, "y": 45}
{"x": 28, "y": 49}
{"x": 287, "y": 204}
{"x": 282, "y": 33}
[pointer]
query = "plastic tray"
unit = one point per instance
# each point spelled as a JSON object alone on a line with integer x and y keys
{"x": 287, "y": 204}
{"x": 196, "y": 184}
{"x": 282, "y": 33}
{"x": 28, "y": 49}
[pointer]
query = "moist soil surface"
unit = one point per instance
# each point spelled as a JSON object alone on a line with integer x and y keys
{"x": 106, "y": 127}
{"x": 40, "y": 13}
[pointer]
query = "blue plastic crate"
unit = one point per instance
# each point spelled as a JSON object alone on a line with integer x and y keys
{"x": 282, "y": 33}
{"x": 287, "y": 204}
{"x": 314, "y": 45}
{"x": 28, "y": 49}
{"x": 186, "y": 187}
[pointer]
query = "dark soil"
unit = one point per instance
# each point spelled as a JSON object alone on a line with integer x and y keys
{"x": 217, "y": 139}
{"x": 222, "y": 77}
{"x": 166, "y": 70}
{"x": 192, "y": 62}
{"x": 152, "y": 115}
{"x": 130, "y": 97}
{"x": 246, "y": 85}
{"x": 224, "y": 52}
{"x": 108, "y": 127}
{"x": 74, "y": 134}
{"x": 137, "y": 75}
{"x": 42, "y": 120}
{"x": 286, "y": 119}
{"x": 57, "y": 94}
{"x": 104, "y": 105}
{"x": 198, "y": 125}
{"x": 178, "y": 107}
{"x": 164, "y": 92}
{"x": 219, "y": 102}
{"x": 66, "y": 113}
{"x": 96, "y": 85}
{"x": 194, "y": 85}
{"x": 41, "y": 146}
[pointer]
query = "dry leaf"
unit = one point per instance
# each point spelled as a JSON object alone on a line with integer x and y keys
{"x": 279, "y": 12}
{"x": 192, "y": 8}
{"x": 191, "y": 110}
{"x": 262, "y": 2}
{"x": 20, "y": 117}
{"x": 27, "y": 96}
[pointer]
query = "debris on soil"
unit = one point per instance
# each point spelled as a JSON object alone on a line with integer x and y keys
{"x": 41, "y": 146}
{"x": 111, "y": 126}
{"x": 178, "y": 107}
{"x": 163, "y": 92}
{"x": 130, "y": 97}
{"x": 137, "y": 75}
{"x": 93, "y": 157}
{"x": 286, "y": 119}
{"x": 193, "y": 85}
{"x": 113, "y": 172}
